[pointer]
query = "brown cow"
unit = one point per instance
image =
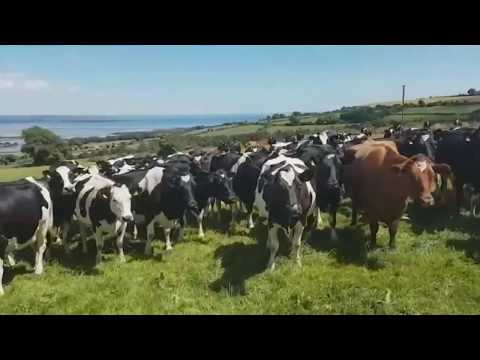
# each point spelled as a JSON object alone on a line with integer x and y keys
{"x": 380, "y": 182}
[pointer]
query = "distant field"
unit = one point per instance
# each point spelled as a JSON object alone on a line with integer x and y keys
{"x": 427, "y": 100}
{"x": 450, "y": 109}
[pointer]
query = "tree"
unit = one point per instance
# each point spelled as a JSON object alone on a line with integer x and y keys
{"x": 44, "y": 146}
{"x": 472, "y": 92}
{"x": 421, "y": 102}
{"x": 38, "y": 135}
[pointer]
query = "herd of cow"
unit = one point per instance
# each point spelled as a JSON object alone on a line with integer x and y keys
{"x": 289, "y": 184}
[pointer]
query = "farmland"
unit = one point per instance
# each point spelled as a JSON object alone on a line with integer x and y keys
{"x": 435, "y": 270}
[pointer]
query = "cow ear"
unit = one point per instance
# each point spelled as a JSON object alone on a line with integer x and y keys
{"x": 442, "y": 169}
{"x": 307, "y": 175}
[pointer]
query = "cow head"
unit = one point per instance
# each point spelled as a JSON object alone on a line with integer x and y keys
{"x": 285, "y": 193}
{"x": 420, "y": 172}
{"x": 223, "y": 187}
{"x": 180, "y": 181}
{"x": 59, "y": 180}
{"x": 422, "y": 144}
{"x": 120, "y": 201}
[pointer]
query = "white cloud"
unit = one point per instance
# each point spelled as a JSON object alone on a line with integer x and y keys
{"x": 73, "y": 89}
{"x": 20, "y": 81}
{"x": 6, "y": 84}
{"x": 35, "y": 84}
{"x": 99, "y": 94}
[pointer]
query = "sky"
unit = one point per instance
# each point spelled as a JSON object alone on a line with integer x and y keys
{"x": 157, "y": 80}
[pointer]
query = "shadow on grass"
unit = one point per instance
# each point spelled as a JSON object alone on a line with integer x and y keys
{"x": 348, "y": 248}
{"x": 435, "y": 219}
{"x": 240, "y": 262}
{"x": 470, "y": 247}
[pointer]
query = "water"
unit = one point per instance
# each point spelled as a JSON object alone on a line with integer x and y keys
{"x": 84, "y": 126}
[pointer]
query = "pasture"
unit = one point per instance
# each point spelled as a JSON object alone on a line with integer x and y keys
{"x": 435, "y": 270}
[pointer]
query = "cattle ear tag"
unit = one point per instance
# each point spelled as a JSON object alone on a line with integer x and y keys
{"x": 330, "y": 156}
{"x": 410, "y": 142}
{"x": 467, "y": 139}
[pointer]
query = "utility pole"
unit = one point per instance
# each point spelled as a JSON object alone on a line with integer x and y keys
{"x": 403, "y": 100}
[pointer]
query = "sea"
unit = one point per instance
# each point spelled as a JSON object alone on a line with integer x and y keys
{"x": 84, "y": 126}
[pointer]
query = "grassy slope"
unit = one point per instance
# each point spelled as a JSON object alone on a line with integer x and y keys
{"x": 433, "y": 271}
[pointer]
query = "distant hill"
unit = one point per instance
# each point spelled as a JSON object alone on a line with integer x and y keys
{"x": 430, "y": 99}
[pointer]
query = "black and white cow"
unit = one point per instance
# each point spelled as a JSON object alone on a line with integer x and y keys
{"x": 165, "y": 195}
{"x": 326, "y": 163}
{"x": 211, "y": 185}
{"x": 26, "y": 215}
{"x": 61, "y": 180}
{"x": 418, "y": 141}
{"x": 119, "y": 166}
{"x": 105, "y": 207}
{"x": 246, "y": 177}
{"x": 286, "y": 201}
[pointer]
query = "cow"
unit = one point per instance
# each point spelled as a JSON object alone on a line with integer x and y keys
{"x": 286, "y": 200}
{"x": 327, "y": 180}
{"x": 61, "y": 179}
{"x": 210, "y": 185}
{"x": 418, "y": 141}
{"x": 165, "y": 195}
{"x": 26, "y": 215}
{"x": 105, "y": 207}
{"x": 380, "y": 182}
{"x": 319, "y": 138}
{"x": 245, "y": 179}
{"x": 461, "y": 150}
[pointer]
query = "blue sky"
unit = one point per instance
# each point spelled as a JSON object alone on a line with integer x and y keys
{"x": 225, "y": 79}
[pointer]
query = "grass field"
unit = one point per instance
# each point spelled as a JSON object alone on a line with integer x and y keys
{"x": 435, "y": 270}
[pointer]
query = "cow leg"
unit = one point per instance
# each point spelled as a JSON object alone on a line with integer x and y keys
{"x": 200, "y": 224}
{"x": 64, "y": 239}
{"x": 120, "y": 238}
{"x": 272, "y": 245}
{"x": 319, "y": 219}
{"x": 251, "y": 224}
{"x": 168, "y": 243}
{"x": 11, "y": 247}
{"x": 135, "y": 231}
{"x": 333, "y": 223}
{"x": 459, "y": 195}
{"x": 373, "y": 234}
{"x": 11, "y": 259}
{"x": 219, "y": 211}
{"x": 83, "y": 235}
{"x": 297, "y": 241}
{"x": 354, "y": 213}
{"x": 150, "y": 234}
{"x": 392, "y": 230}
{"x": 40, "y": 245}
{"x": 1, "y": 277}
{"x": 234, "y": 211}
{"x": 99, "y": 242}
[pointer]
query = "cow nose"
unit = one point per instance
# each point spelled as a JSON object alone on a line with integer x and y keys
{"x": 295, "y": 211}
{"x": 427, "y": 200}
{"x": 128, "y": 218}
{"x": 232, "y": 199}
{"x": 193, "y": 205}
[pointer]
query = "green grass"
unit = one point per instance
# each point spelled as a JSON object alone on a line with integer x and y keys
{"x": 435, "y": 270}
